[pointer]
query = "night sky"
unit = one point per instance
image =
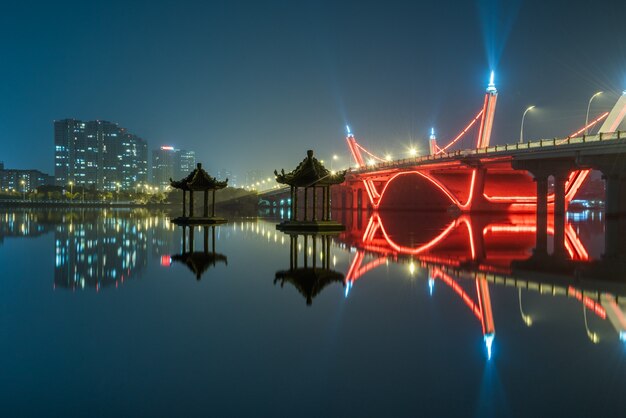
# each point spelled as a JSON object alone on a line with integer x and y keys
{"x": 252, "y": 85}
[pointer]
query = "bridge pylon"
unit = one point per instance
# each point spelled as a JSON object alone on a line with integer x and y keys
{"x": 489, "y": 110}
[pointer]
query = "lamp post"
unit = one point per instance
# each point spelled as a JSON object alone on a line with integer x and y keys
{"x": 588, "y": 107}
{"x": 71, "y": 183}
{"x": 521, "y": 129}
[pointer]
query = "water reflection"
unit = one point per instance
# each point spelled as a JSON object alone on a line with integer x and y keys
{"x": 198, "y": 261}
{"x": 315, "y": 273}
{"x": 469, "y": 255}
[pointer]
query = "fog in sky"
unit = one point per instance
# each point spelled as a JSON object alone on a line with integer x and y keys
{"x": 252, "y": 85}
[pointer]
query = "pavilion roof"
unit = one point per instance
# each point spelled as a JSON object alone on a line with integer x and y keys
{"x": 199, "y": 262}
{"x": 309, "y": 281}
{"x": 310, "y": 172}
{"x": 198, "y": 180}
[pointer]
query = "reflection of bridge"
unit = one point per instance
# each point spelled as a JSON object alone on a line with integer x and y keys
{"x": 492, "y": 178}
{"x": 486, "y": 251}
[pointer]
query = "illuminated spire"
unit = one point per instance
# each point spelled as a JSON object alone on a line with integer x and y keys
{"x": 348, "y": 131}
{"x": 491, "y": 88}
{"x": 432, "y": 133}
{"x": 488, "y": 343}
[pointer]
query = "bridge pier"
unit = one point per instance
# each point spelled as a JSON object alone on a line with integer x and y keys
{"x": 542, "y": 169}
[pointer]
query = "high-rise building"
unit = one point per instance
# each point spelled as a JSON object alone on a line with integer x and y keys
{"x": 187, "y": 162}
{"x": 169, "y": 162}
{"x": 98, "y": 154}
{"x": 224, "y": 173}
{"x": 23, "y": 180}
{"x": 69, "y": 149}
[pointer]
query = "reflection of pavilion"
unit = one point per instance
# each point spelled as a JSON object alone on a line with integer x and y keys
{"x": 309, "y": 278}
{"x": 198, "y": 261}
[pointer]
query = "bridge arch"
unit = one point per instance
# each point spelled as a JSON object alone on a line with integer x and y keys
{"x": 449, "y": 194}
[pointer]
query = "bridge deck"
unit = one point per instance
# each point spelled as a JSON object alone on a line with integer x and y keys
{"x": 545, "y": 148}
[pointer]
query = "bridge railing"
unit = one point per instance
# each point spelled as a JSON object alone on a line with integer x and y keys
{"x": 531, "y": 145}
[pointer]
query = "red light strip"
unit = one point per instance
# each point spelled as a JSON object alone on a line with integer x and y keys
{"x": 474, "y": 307}
{"x": 459, "y": 136}
{"x": 583, "y": 129}
{"x": 369, "y": 153}
{"x": 589, "y": 303}
{"x": 578, "y": 247}
{"x": 440, "y": 186}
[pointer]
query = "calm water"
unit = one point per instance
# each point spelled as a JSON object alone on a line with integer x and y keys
{"x": 103, "y": 314}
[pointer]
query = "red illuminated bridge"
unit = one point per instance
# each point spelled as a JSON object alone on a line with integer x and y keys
{"x": 497, "y": 178}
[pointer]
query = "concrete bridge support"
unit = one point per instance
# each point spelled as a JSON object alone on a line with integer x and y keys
{"x": 542, "y": 169}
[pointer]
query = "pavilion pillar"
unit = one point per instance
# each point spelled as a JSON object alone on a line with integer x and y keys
{"x": 306, "y": 203}
{"x": 213, "y": 204}
{"x": 324, "y": 198}
{"x": 306, "y": 250}
{"x": 327, "y": 255}
{"x": 314, "y": 239}
{"x": 184, "y": 203}
{"x": 206, "y": 204}
{"x": 328, "y": 213}
{"x": 291, "y": 203}
{"x": 314, "y": 203}
{"x": 291, "y": 252}
{"x": 294, "y": 201}
{"x": 191, "y": 203}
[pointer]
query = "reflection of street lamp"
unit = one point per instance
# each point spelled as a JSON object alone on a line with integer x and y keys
{"x": 526, "y": 318}
{"x": 588, "y": 106}
{"x": 521, "y": 129}
{"x": 592, "y": 335}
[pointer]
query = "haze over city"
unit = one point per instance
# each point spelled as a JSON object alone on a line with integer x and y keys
{"x": 251, "y": 85}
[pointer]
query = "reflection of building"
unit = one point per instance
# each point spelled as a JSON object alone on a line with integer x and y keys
{"x": 170, "y": 163}
{"x": 98, "y": 154}
{"x": 23, "y": 180}
{"x": 93, "y": 249}
{"x": 21, "y": 224}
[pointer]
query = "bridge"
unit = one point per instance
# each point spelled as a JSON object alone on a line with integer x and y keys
{"x": 498, "y": 178}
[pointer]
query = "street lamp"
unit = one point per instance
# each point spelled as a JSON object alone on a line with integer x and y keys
{"x": 588, "y": 106}
{"x": 71, "y": 183}
{"x": 23, "y": 183}
{"x": 521, "y": 129}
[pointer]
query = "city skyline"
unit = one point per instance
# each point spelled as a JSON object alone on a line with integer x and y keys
{"x": 223, "y": 79}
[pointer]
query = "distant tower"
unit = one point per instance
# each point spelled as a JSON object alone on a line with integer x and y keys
{"x": 432, "y": 143}
{"x": 489, "y": 110}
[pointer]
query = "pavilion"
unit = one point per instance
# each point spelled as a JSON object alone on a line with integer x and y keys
{"x": 198, "y": 181}
{"x": 310, "y": 175}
